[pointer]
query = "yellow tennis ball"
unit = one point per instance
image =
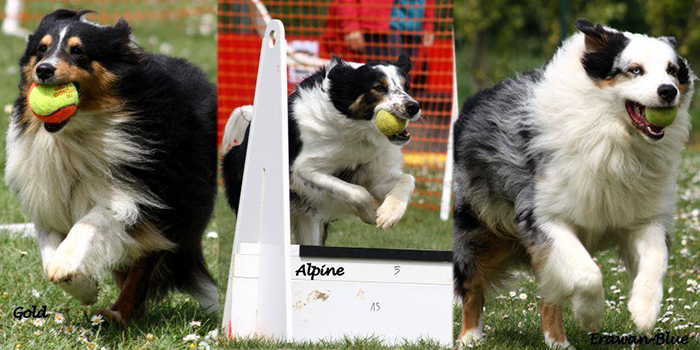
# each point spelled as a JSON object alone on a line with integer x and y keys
{"x": 661, "y": 117}
{"x": 389, "y": 124}
{"x": 53, "y": 103}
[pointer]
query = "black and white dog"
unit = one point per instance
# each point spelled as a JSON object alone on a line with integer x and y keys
{"x": 127, "y": 184}
{"x": 561, "y": 162}
{"x": 341, "y": 164}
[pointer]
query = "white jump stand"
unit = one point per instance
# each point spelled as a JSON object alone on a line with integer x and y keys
{"x": 297, "y": 293}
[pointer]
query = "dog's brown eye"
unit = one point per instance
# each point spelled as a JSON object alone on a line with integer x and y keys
{"x": 379, "y": 88}
{"x": 76, "y": 50}
{"x": 41, "y": 49}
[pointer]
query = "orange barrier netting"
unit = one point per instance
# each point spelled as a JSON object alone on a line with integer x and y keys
{"x": 356, "y": 30}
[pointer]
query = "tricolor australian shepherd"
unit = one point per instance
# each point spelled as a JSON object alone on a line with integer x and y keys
{"x": 561, "y": 162}
{"x": 341, "y": 164}
{"x": 127, "y": 184}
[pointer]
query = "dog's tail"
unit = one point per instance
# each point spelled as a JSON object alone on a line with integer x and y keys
{"x": 236, "y": 128}
{"x": 234, "y": 146}
{"x": 185, "y": 269}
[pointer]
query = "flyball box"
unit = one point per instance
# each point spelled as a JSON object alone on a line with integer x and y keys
{"x": 309, "y": 293}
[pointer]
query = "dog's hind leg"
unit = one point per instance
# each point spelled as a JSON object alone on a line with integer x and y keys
{"x": 132, "y": 298}
{"x": 552, "y": 327}
{"x": 206, "y": 293}
{"x": 307, "y": 230}
{"x": 481, "y": 260}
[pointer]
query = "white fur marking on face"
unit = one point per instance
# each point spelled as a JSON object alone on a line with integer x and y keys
{"x": 397, "y": 96}
{"x": 53, "y": 59}
{"x": 654, "y": 56}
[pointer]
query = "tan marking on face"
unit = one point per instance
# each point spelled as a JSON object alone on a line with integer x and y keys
{"x": 74, "y": 41}
{"x": 46, "y": 40}
{"x": 96, "y": 93}
{"x": 356, "y": 105}
{"x": 683, "y": 88}
{"x": 27, "y": 71}
{"x": 610, "y": 82}
{"x": 552, "y": 321}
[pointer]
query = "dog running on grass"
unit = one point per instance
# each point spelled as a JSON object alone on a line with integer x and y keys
{"x": 559, "y": 163}
{"x": 127, "y": 184}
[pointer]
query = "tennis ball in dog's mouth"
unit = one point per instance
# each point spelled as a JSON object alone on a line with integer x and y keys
{"x": 661, "y": 117}
{"x": 389, "y": 124}
{"x": 53, "y": 103}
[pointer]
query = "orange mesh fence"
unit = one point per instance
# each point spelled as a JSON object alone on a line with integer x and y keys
{"x": 356, "y": 30}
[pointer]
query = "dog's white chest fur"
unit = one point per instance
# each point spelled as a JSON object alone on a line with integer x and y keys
{"x": 602, "y": 175}
{"x": 60, "y": 177}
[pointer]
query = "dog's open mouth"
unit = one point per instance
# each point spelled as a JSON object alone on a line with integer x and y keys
{"x": 55, "y": 127}
{"x": 400, "y": 138}
{"x": 639, "y": 119}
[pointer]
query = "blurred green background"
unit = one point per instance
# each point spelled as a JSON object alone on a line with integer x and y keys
{"x": 498, "y": 38}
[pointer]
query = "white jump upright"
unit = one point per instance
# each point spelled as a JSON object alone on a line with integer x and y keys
{"x": 299, "y": 293}
{"x": 263, "y": 217}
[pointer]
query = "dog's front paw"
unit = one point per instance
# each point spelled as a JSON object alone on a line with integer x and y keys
{"x": 588, "y": 301}
{"x": 83, "y": 289}
{"x": 390, "y": 212}
{"x": 366, "y": 207}
{"x": 589, "y": 308}
{"x": 62, "y": 267}
{"x": 644, "y": 306}
{"x": 368, "y": 213}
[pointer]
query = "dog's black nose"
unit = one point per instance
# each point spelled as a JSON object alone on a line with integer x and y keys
{"x": 412, "y": 107}
{"x": 667, "y": 92}
{"x": 45, "y": 71}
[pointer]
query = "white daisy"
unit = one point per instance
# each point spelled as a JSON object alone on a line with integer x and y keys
{"x": 190, "y": 337}
{"x": 96, "y": 319}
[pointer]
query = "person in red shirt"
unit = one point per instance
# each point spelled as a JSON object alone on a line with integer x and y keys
{"x": 362, "y": 30}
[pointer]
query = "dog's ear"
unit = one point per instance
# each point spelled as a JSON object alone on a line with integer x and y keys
{"x": 335, "y": 61}
{"x": 64, "y": 14}
{"x": 671, "y": 40}
{"x": 597, "y": 37}
{"x": 121, "y": 42}
{"x": 123, "y": 26}
{"x": 602, "y": 48}
{"x": 403, "y": 62}
{"x": 339, "y": 70}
